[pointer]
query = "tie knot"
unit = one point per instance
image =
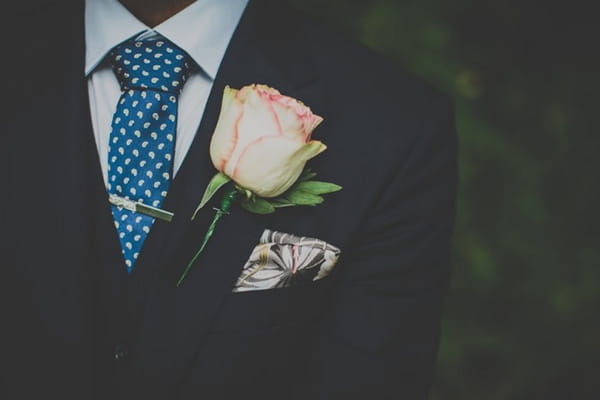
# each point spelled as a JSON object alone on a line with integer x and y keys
{"x": 150, "y": 64}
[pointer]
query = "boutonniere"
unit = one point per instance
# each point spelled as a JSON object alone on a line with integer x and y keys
{"x": 260, "y": 147}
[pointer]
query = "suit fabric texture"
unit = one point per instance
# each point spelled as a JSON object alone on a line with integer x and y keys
{"x": 76, "y": 326}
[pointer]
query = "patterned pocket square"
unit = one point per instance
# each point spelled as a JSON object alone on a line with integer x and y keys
{"x": 283, "y": 260}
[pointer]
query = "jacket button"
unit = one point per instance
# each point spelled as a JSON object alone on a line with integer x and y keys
{"x": 121, "y": 352}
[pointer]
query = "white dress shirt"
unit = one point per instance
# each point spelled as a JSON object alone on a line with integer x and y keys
{"x": 203, "y": 30}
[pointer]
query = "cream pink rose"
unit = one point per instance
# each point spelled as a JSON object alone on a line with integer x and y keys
{"x": 262, "y": 139}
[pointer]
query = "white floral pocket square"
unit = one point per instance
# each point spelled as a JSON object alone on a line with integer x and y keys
{"x": 283, "y": 260}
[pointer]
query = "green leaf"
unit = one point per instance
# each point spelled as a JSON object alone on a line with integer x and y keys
{"x": 281, "y": 202}
{"x": 316, "y": 187}
{"x": 306, "y": 175}
{"x": 214, "y": 185}
{"x": 257, "y": 206}
{"x": 303, "y": 198}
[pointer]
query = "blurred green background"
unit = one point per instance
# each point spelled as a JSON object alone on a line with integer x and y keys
{"x": 521, "y": 318}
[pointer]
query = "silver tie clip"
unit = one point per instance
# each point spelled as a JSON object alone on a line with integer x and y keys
{"x": 141, "y": 208}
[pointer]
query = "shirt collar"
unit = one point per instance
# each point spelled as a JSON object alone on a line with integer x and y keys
{"x": 203, "y": 30}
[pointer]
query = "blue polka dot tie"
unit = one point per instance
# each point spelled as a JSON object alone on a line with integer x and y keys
{"x": 142, "y": 140}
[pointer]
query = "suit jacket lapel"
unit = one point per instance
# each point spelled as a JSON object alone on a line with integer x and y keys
{"x": 185, "y": 313}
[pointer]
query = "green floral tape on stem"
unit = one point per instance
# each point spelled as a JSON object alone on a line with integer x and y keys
{"x": 226, "y": 204}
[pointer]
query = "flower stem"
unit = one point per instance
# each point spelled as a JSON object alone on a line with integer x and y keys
{"x": 226, "y": 204}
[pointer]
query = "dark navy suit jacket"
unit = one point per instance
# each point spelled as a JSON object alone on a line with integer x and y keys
{"x": 74, "y": 325}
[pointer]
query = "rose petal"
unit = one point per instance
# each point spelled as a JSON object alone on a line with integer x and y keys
{"x": 225, "y": 136}
{"x": 271, "y": 165}
{"x": 310, "y": 150}
{"x": 262, "y": 117}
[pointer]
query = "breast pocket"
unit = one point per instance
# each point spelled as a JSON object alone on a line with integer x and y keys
{"x": 271, "y": 308}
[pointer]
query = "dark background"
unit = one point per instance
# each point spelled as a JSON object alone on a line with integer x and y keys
{"x": 521, "y": 319}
